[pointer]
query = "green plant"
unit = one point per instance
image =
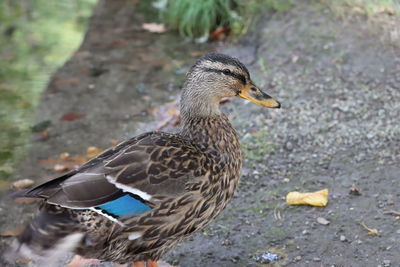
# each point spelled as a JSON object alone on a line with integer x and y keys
{"x": 198, "y": 18}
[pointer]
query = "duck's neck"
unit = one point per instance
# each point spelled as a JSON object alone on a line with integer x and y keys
{"x": 211, "y": 133}
{"x": 198, "y": 102}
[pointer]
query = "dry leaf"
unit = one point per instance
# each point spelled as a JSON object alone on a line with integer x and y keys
{"x": 319, "y": 198}
{"x": 22, "y": 184}
{"x": 64, "y": 163}
{"x": 93, "y": 151}
{"x": 371, "y": 231}
{"x": 154, "y": 27}
{"x": 114, "y": 142}
{"x": 119, "y": 43}
{"x": 64, "y": 156}
{"x": 77, "y": 160}
{"x": 71, "y": 116}
{"x": 197, "y": 53}
{"x": 166, "y": 115}
{"x": 62, "y": 168}
{"x": 26, "y": 200}
{"x": 45, "y": 133}
{"x": 13, "y": 232}
{"x": 220, "y": 33}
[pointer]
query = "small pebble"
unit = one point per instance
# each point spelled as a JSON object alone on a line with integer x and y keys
{"x": 322, "y": 221}
{"x": 342, "y": 238}
{"x": 298, "y": 258}
{"x": 387, "y": 263}
{"x": 316, "y": 259}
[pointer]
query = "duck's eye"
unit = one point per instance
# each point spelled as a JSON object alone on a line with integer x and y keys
{"x": 226, "y": 71}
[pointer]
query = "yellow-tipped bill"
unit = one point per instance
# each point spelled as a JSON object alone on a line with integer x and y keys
{"x": 257, "y": 96}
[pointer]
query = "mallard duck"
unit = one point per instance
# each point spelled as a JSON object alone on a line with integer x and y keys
{"x": 135, "y": 201}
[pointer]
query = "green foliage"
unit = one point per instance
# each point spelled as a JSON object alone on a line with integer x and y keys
{"x": 35, "y": 38}
{"x": 198, "y": 18}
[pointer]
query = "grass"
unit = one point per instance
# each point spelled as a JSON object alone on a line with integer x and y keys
{"x": 196, "y": 19}
{"x": 36, "y": 37}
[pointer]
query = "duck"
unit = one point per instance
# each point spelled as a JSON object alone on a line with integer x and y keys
{"x": 137, "y": 200}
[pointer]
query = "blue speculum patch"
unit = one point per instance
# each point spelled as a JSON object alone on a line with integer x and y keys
{"x": 125, "y": 205}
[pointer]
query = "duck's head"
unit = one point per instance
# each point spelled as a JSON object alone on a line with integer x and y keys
{"x": 215, "y": 76}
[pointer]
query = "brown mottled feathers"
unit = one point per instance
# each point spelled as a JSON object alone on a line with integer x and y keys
{"x": 172, "y": 184}
{"x": 157, "y": 163}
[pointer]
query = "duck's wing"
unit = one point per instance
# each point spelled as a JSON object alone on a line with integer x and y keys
{"x": 142, "y": 170}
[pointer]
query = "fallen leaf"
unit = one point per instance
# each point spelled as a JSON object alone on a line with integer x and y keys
{"x": 45, "y": 133}
{"x": 13, "y": 232}
{"x": 64, "y": 163}
{"x": 319, "y": 198}
{"x": 154, "y": 27}
{"x": 220, "y": 33}
{"x": 22, "y": 184}
{"x": 371, "y": 231}
{"x": 166, "y": 115}
{"x": 64, "y": 156}
{"x": 71, "y": 116}
{"x": 61, "y": 168}
{"x": 26, "y": 200}
{"x": 119, "y": 43}
{"x": 323, "y": 221}
{"x": 197, "y": 53}
{"x": 114, "y": 142}
{"x": 78, "y": 160}
{"x": 93, "y": 151}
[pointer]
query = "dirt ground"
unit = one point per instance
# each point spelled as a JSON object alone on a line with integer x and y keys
{"x": 339, "y": 84}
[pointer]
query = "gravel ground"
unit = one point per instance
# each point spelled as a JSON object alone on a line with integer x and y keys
{"x": 338, "y": 82}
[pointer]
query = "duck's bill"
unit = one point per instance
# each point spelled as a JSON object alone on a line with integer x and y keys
{"x": 257, "y": 96}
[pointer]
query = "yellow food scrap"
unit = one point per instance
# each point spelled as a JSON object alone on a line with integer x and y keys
{"x": 93, "y": 151}
{"x": 319, "y": 198}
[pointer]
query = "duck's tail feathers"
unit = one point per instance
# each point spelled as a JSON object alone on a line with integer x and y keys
{"x": 49, "y": 237}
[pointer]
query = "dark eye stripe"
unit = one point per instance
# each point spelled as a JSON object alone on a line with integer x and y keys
{"x": 240, "y": 77}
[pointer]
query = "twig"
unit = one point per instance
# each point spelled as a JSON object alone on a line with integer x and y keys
{"x": 392, "y": 212}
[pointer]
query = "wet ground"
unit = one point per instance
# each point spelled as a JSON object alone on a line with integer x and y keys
{"x": 339, "y": 83}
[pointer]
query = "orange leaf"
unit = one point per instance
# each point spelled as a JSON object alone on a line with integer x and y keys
{"x": 13, "y": 232}
{"x": 93, "y": 151}
{"x": 220, "y": 33}
{"x": 26, "y": 200}
{"x": 154, "y": 27}
{"x": 71, "y": 116}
